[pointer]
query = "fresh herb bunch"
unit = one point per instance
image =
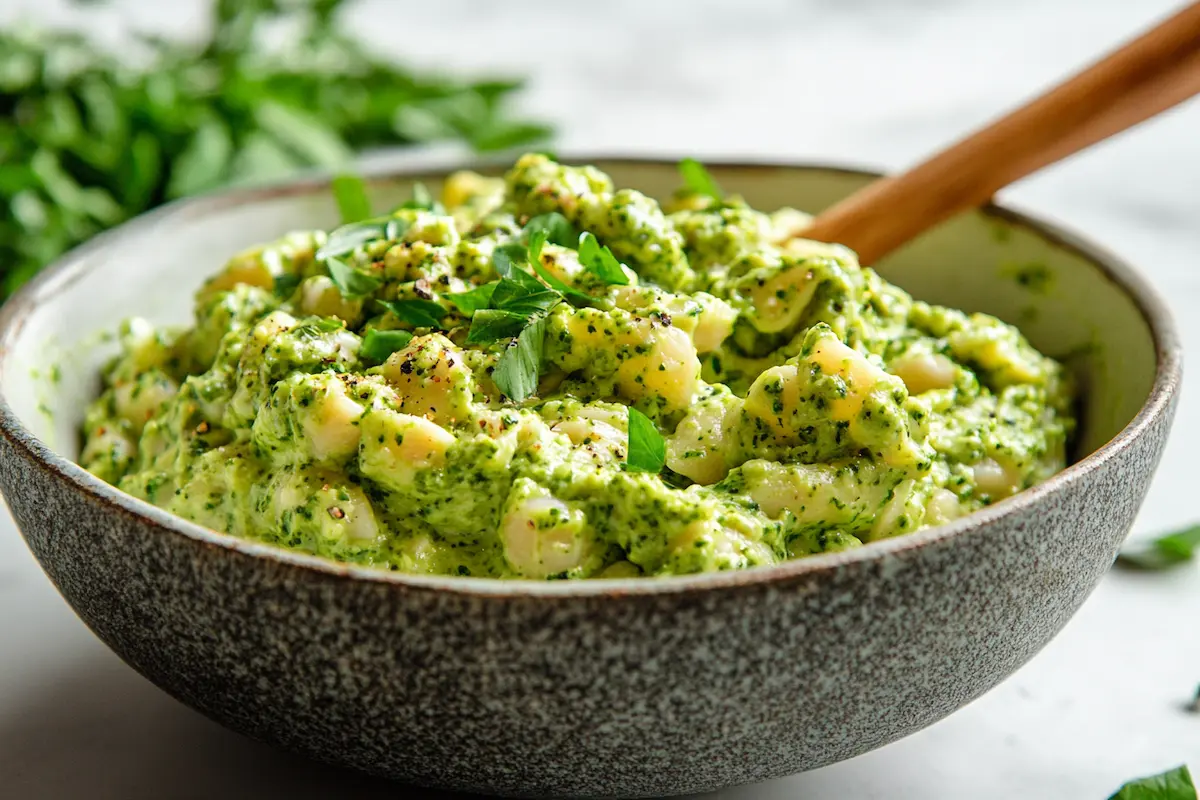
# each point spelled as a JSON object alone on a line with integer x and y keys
{"x": 87, "y": 141}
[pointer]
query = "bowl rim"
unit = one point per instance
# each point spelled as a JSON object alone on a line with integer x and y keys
{"x": 406, "y": 165}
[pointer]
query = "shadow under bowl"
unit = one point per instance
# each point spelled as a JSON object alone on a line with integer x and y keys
{"x": 598, "y": 688}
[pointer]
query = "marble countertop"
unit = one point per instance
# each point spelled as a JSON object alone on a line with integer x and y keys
{"x": 865, "y": 81}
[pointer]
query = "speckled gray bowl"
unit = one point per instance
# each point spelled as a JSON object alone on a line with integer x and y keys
{"x": 607, "y": 688}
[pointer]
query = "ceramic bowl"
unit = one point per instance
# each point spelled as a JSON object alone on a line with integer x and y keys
{"x": 602, "y": 688}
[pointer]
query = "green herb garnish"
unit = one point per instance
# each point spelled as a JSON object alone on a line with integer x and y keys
{"x": 89, "y": 139}
{"x": 600, "y": 261}
{"x": 350, "y": 192}
{"x": 1175, "y": 784}
{"x": 493, "y": 324}
{"x": 377, "y": 345}
{"x": 646, "y": 450}
{"x": 286, "y": 284}
{"x": 536, "y": 241}
{"x": 556, "y": 228}
{"x": 422, "y": 200}
{"x": 418, "y": 313}
{"x": 1164, "y": 552}
{"x": 520, "y": 366}
{"x": 472, "y": 300}
{"x": 698, "y": 180}
{"x": 350, "y": 282}
{"x": 348, "y": 238}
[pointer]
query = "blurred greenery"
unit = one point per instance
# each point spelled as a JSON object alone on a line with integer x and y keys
{"x": 88, "y": 140}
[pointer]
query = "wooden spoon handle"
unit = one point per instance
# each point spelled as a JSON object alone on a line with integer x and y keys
{"x": 1152, "y": 73}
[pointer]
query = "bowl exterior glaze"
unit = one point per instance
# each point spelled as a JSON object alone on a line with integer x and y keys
{"x": 619, "y": 689}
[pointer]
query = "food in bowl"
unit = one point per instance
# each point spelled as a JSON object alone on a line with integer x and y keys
{"x": 545, "y": 377}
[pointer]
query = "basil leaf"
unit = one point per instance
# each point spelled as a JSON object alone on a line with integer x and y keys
{"x": 519, "y": 367}
{"x": 600, "y": 261}
{"x": 646, "y": 450}
{"x": 1165, "y": 552}
{"x": 395, "y": 228}
{"x": 576, "y": 297}
{"x": 305, "y": 135}
{"x": 537, "y": 240}
{"x": 349, "y": 238}
{"x": 350, "y": 282}
{"x": 377, "y": 345}
{"x": 522, "y": 298}
{"x": 507, "y": 258}
{"x": 698, "y": 180}
{"x": 472, "y": 300}
{"x": 418, "y": 313}
{"x": 351, "y": 195}
{"x": 556, "y": 228}
{"x": 1175, "y": 784}
{"x": 422, "y": 200}
{"x": 491, "y": 325}
{"x": 285, "y": 285}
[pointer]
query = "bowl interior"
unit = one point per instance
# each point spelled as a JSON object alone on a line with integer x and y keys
{"x": 992, "y": 261}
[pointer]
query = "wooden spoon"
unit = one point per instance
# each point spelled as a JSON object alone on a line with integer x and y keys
{"x": 1152, "y": 73}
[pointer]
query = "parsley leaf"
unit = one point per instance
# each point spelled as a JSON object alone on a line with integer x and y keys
{"x": 519, "y": 367}
{"x": 646, "y": 449}
{"x": 1165, "y": 552}
{"x": 377, "y": 345}
{"x": 556, "y": 229}
{"x": 350, "y": 282}
{"x": 600, "y": 261}
{"x": 698, "y": 180}
{"x": 351, "y": 195}
{"x": 472, "y": 300}
{"x": 1175, "y": 784}
{"x": 493, "y": 324}
{"x": 418, "y": 313}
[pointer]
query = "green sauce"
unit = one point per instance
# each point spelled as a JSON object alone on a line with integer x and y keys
{"x": 806, "y": 404}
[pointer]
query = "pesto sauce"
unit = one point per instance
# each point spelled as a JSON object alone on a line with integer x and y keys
{"x": 807, "y": 405}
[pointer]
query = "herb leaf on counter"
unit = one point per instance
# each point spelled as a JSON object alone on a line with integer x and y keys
{"x": 1164, "y": 552}
{"x": 698, "y": 180}
{"x": 1175, "y": 784}
{"x": 88, "y": 141}
{"x": 646, "y": 450}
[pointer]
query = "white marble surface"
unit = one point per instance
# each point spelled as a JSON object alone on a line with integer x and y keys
{"x": 869, "y": 81}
